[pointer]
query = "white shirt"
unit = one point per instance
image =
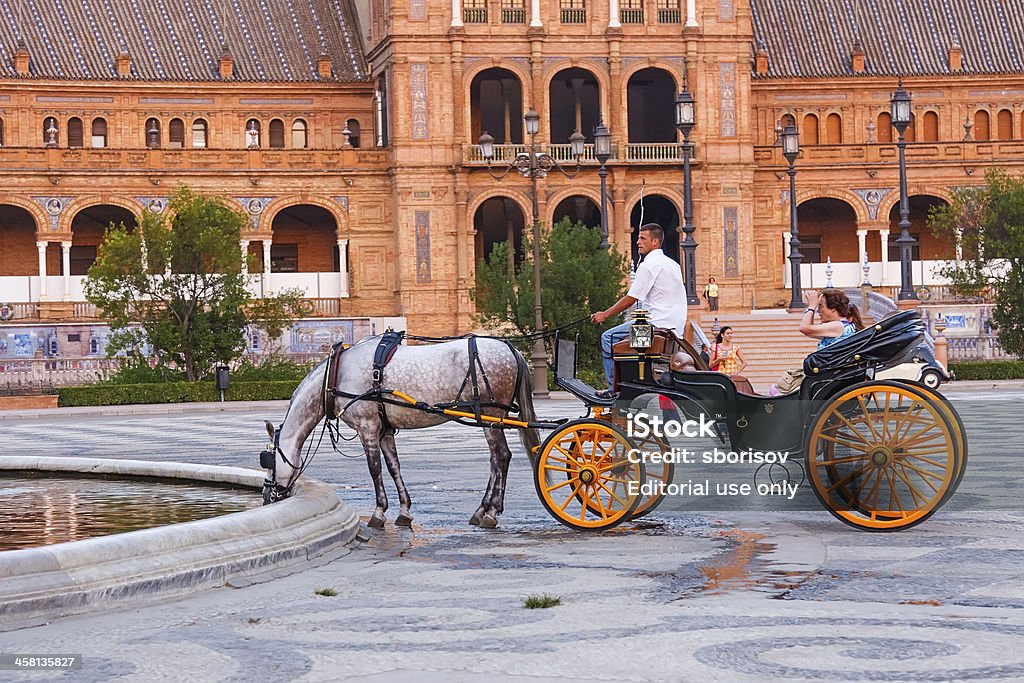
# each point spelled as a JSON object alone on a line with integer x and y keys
{"x": 659, "y": 287}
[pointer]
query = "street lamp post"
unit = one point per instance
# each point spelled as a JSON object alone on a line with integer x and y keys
{"x": 533, "y": 166}
{"x": 686, "y": 118}
{"x": 603, "y": 152}
{"x": 790, "y": 150}
{"x": 901, "y": 118}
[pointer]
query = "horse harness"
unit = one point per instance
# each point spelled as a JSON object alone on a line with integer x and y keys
{"x": 382, "y": 355}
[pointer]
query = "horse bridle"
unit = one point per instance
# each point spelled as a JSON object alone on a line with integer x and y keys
{"x": 272, "y": 491}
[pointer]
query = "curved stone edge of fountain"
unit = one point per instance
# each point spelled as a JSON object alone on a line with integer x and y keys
{"x": 174, "y": 560}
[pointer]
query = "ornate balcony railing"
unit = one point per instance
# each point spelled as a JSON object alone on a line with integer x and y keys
{"x": 669, "y": 15}
{"x": 474, "y": 15}
{"x": 635, "y": 152}
{"x": 655, "y": 152}
{"x": 513, "y": 12}
{"x": 573, "y": 15}
{"x": 631, "y": 15}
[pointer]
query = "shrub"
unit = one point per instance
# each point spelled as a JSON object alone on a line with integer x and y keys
{"x": 989, "y": 369}
{"x": 173, "y": 392}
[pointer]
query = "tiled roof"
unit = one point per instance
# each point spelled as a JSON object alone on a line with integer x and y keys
{"x": 814, "y": 38}
{"x": 181, "y": 40}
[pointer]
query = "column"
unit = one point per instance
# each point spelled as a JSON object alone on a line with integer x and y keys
{"x": 266, "y": 256}
{"x": 41, "y": 246}
{"x": 884, "y": 235}
{"x": 244, "y": 246}
{"x": 613, "y": 14}
{"x": 65, "y": 249}
{"x": 691, "y": 14}
{"x": 343, "y": 268}
{"x": 535, "y": 21}
{"x": 456, "y": 12}
{"x": 862, "y": 250}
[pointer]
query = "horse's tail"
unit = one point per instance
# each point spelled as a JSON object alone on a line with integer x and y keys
{"x": 530, "y": 437}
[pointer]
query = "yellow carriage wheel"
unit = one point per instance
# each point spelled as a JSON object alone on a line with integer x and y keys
{"x": 584, "y": 477}
{"x": 882, "y": 456}
{"x": 661, "y": 473}
{"x": 959, "y": 431}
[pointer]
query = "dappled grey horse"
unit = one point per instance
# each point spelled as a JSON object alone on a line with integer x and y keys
{"x": 433, "y": 374}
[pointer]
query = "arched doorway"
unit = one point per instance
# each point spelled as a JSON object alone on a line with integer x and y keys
{"x": 496, "y": 106}
{"x": 660, "y": 210}
{"x": 828, "y": 229}
{"x": 650, "y": 98}
{"x": 305, "y": 240}
{"x": 17, "y": 242}
{"x": 928, "y": 246}
{"x": 499, "y": 220}
{"x": 578, "y": 209}
{"x": 574, "y": 104}
{"x": 87, "y": 230}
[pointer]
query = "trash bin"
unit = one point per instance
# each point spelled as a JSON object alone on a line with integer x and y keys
{"x": 223, "y": 378}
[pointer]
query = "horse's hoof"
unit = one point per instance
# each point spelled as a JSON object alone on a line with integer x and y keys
{"x": 488, "y": 522}
{"x": 376, "y": 522}
{"x": 475, "y": 519}
{"x": 403, "y": 520}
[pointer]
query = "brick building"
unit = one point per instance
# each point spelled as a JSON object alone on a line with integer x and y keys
{"x": 347, "y": 130}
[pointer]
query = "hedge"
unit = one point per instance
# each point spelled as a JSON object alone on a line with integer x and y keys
{"x": 989, "y": 369}
{"x": 174, "y": 392}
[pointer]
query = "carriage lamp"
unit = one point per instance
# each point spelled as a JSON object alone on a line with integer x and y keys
{"x": 641, "y": 332}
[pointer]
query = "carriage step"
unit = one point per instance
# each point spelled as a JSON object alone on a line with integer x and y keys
{"x": 583, "y": 391}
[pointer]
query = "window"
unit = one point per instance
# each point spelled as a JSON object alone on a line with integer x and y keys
{"x": 894, "y": 249}
{"x": 475, "y": 12}
{"x": 381, "y": 104}
{"x": 981, "y": 125}
{"x": 176, "y": 133}
{"x": 99, "y": 133}
{"x": 512, "y": 12}
{"x": 152, "y": 133}
{"x": 252, "y": 133}
{"x": 631, "y": 11}
{"x": 74, "y": 337}
{"x": 352, "y": 125}
{"x": 810, "y": 136}
{"x": 931, "y": 126}
{"x": 1, "y": 132}
{"x": 75, "y": 136}
{"x": 668, "y": 12}
{"x": 277, "y": 134}
{"x": 199, "y": 133}
{"x": 81, "y": 258}
{"x": 300, "y": 139}
{"x": 1004, "y": 124}
{"x": 834, "y": 129}
{"x": 884, "y": 131}
{"x": 284, "y": 258}
{"x": 572, "y": 11}
{"x": 51, "y": 136}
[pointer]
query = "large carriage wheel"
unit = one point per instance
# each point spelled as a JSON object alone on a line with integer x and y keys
{"x": 959, "y": 431}
{"x": 883, "y": 456}
{"x": 584, "y": 477}
{"x": 661, "y": 473}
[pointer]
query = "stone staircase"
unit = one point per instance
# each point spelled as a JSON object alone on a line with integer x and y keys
{"x": 769, "y": 342}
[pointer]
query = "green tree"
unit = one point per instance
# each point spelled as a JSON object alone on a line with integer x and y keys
{"x": 577, "y": 278}
{"x": 177, "y": 283}
{"x": 987, "y": 223}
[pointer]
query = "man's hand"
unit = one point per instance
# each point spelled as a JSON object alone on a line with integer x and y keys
{"x": 599, "y": 317}
{"x": 811, "y": 298}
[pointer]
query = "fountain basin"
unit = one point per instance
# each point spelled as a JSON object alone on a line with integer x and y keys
{"x": 174, "y": 560}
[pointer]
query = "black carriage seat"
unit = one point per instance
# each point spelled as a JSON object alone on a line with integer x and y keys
{"x": 887, "y": 343}
{"x": 565, "y": 374}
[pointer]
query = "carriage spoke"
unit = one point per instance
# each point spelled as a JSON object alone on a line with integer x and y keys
{"x": 844, "y": 460}
{"x": 917, "y": 456}
{"x": 864, "y": 410}
{"x": 855, "y": 473}
{"x": 612, "y": 494}
{"x": 571, "y": 497}
{"x": 549, "y": 489}
{"x": 848, "y": 444}
{"x": 923, "y": 473}
{"x": 894, "y": 495}
{"x": 914, "y": 493}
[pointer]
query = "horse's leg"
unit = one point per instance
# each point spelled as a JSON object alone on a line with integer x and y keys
{"x": 371, "y": 446}
{"x": 390, "y": 450}
{"x": 493, "y": 503}
{"x": 477, "y": 518}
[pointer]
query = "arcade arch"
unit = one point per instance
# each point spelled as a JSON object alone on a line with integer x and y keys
{"x": 574, "y": 104}
{"x": 929, "y": 247}
{"x": 18, "y": 229}
{"x": 496, "y": 106}
{"x": 499, "y": 219}
{"x": 650, "y": 102}
{"x": 658, "y": 209}
{"x": 304, "y": 240}
{"x": 88, "y": 228}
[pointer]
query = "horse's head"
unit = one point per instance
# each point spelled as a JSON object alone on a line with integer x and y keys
{"x": 281, "y": 473}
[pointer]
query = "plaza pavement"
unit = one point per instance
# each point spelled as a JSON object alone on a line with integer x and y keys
{"x": 722, "y": 595}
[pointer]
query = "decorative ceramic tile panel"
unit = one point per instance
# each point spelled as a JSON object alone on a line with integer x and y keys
{"x": 417, "y": 10}
{"x": 730, "y": 226}
{"x": 418, "y": 92}
{"x": 726, "y": 10}
{"x": 423, "y": 247}
{"x": 872, "y": 198}
{"x": 727, "y": 98}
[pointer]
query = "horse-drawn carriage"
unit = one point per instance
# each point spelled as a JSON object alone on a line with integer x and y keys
{"x": 880, "y": 455}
